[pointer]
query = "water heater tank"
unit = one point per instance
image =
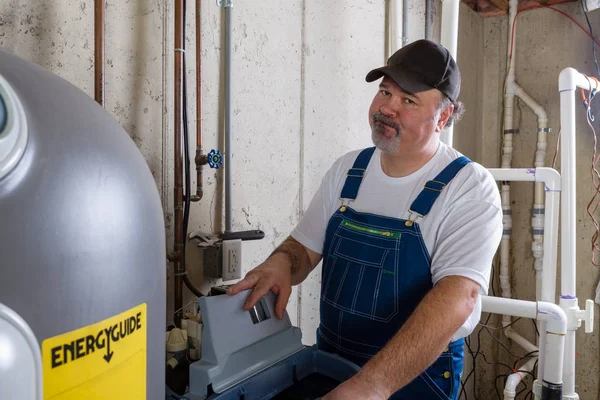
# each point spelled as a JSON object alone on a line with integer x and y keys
{"x": 82, "y": 247}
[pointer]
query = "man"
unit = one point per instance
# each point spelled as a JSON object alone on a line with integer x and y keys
{"x": 407, "y": 232}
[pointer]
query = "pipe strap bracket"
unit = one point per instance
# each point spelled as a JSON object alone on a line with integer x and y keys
{"x": 515, "y": 131}
{"x": 225, "y": 3}
{"x": 544, "y": 130}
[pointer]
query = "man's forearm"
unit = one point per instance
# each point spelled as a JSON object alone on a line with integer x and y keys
{"x": 294, "y": 255}
{"x": 422, "y": 338}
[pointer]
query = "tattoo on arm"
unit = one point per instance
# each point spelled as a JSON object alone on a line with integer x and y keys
{"x": 298, "y": 257}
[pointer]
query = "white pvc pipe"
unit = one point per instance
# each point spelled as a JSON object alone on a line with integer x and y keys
{"x": 449, "y": 39}
{"x": 569, "y": 368}
{"x": 552, "y": 184}
{"x": 556, "y": 328}
{"x": 568, "y": 81}
{"x": 555, "y": 318}
{"x": 395, "y": 27}
{"x": 513, "y": 380}
{"x": 507, "y": 150}
{"x": 520, "y": 340}
{"x": 551, "y": 181}
{"x": 512, "y": 12}
{"x": 537, "y": 219}
{"x": 449, "y": 28}
{"x": 530, "y": 102}
{"x": 550, "y": 245}
{"x": 516, "y": 308}
{"x": 554, "y": 360}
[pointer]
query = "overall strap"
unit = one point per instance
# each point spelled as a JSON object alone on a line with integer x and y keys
{"x": 356, "y": 173}
{"x": 423, "y": 203}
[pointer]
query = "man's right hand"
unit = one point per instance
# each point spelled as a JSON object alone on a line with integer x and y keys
{"x": 274, "y": 274}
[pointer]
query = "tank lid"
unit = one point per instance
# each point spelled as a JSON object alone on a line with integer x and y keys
{"x": 13, "y": 128}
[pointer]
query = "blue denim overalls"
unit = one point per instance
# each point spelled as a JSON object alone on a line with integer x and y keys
{"x": 376, "y": 270}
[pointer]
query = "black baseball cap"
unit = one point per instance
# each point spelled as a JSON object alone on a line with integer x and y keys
{"x": 422, "y": 65}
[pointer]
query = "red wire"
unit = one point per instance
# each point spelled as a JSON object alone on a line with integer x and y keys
{"x": 512, "y": 38}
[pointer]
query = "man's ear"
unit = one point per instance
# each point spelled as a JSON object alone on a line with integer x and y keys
{"x": 444, "y": 116}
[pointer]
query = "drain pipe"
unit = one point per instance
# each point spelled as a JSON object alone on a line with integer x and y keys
{"x": 513, "y": 89}
{"x": 538, "y": 219}
{"x": 449, "y": 37}
{"x": 509, "y": 99}
{"x": 99, "y": 12}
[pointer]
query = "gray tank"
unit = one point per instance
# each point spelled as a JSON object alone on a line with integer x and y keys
{"x": 82, "y": 244}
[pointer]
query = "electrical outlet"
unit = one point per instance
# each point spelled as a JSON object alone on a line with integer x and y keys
{"x": 232, "y": 259}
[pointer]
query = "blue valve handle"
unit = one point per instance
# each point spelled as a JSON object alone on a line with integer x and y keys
{"x": 215, "y": 159}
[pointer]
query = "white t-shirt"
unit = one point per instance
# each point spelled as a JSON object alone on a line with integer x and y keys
{"x": 462, "y": 231}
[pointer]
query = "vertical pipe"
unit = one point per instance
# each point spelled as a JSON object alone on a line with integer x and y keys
{"x": 568, "y": 238}
{"x": 550, "y": 246}
{"x": 178, "y": 163}
{"x": 99, "y": 12}
{"x": 569, "y": 367}
{"x": 428, "y": 19}
{"x": 404, "y": 22}
{"x": 200, "y": 159}
{"x": 569, "y": 80}
{"x": 395, "y": 26}
{"x": 449, "y": 38}
{"x": 567, "y": 166}
{"x": 227, "y": 116}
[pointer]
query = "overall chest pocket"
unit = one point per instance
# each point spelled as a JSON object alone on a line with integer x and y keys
{"x": 360, "y": 275}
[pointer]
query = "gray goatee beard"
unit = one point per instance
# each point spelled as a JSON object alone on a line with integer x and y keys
{"x": 380, "y": 140}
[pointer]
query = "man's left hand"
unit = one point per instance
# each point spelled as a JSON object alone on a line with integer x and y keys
{"x": 356, "y": 389}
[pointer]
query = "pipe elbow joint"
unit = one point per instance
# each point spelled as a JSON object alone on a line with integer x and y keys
{"x": 550, "y": 177}
{"x": 554, "y": 315}
{"x": 570, "y": 79}
{"x": 567, "y": 79}
{"x": 512, "y": 382}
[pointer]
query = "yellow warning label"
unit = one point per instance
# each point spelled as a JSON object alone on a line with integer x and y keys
{"x": 106, "y": 360}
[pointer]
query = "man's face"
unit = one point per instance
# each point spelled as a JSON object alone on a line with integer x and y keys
{"x": 403, "y": 122}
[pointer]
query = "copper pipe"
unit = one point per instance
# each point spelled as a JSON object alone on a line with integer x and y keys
{"x": 99, "y": 8}
{"x": 200, "y": 158}
{"x": 178, "y": 167}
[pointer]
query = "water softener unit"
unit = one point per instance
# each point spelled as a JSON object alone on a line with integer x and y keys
{"x": 82, "y": 247}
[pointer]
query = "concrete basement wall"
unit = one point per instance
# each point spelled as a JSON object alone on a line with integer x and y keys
{"x": 299, "y": 100}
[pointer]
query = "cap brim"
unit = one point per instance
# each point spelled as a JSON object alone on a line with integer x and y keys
{"x": 407, "y": 80}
